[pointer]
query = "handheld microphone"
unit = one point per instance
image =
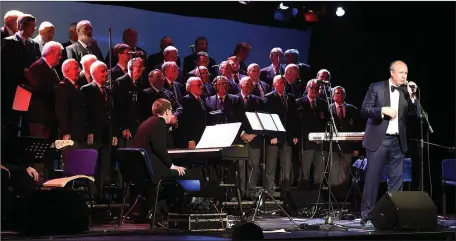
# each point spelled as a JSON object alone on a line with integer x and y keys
{"x": 215, "y": 65}
{"x": 191, "y": 46}
{"x": 323, "y": 82}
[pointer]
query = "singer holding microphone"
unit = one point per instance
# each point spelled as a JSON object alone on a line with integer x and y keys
{"x": 386, "y": 106}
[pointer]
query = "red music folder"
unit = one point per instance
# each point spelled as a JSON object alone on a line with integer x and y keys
{"x": 22, "y": 99}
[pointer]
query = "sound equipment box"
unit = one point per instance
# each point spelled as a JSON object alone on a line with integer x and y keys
{"x": 56, "y": 211}
{"x": 411, "y": 210}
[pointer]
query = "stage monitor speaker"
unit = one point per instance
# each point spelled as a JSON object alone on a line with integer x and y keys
{"x": 58, "y": 211}
{"x": 405, "y": 211}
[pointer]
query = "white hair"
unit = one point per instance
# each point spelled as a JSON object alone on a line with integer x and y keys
{"x": 50, "y": 47}
{"x": 168, "y": 64}
{"x": 66, "y": 64}
{"x": 275, "y": 50}
{"x": 197, "y": 70}
{"x": 82, "y": 23}
{"x": 189, "y": 82}
{"x": 322, "y": 71}
{"x": 291, "y": 66}
{"x": 95, "y": 66}
{"x": 86, "y": 58}
{"x": 223, "y": 63}
{"x": 169, "y": 49}
{"x": 44, "y": 25}
{"x": 12, "y": 13}
{"x": 251, "y": 66}
{"x": 277, "y": 78}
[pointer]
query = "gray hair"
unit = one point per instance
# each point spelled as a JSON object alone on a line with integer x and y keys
{"x": 12, "y": 13}
{"x": 95, "y": 66}
{"x": 251, "y": 66}
{"x": 294, "y": 52}
{"x": 276, "y": 50}
{"x": 82, "y": 23}
{"x": 167, "y": 65}
{"x": 169, "y": 49}
{"x": 322, "y": 71}
{"x": 44, "y": 25}
{"x": 197, "y": 70}
{"x": 277, "y": 78}
{"x": 223, "y": 63}
{"x": 86, "y": 58}
{"x": 50, "y": 47}
{"x": 66, "y": 64}
{"x": 189, "y": 82}
{"x": 291, "y": 66}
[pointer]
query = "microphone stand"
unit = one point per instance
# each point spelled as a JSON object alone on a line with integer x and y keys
{"x": 110, "y": 104}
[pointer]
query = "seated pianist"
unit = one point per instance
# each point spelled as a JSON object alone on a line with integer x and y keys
{"x": 151, "y": 137}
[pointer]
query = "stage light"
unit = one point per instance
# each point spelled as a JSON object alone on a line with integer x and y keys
{"x": 294, "y": 12}
{"x": 283, "y": 7}
{"x": 340, "y": 12}
{"x": 243, "y": 2}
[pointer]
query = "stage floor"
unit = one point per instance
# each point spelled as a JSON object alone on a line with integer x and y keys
{"x": 274, "y": 228}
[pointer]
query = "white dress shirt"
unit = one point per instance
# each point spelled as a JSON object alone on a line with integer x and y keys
{"x": 393, "y": 125}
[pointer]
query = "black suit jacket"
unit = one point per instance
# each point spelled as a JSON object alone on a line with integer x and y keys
{"x": 115, "y": 59}
{"x": 378, "y": 96}
{"x": 42, "y": 81}
{"x": 266, "y": 88}
{"x": 117, "y": 72}
{"x": 233, "y": 110}
{"x": 126, "y": 103}
{"x": 296, "y": 88}
{"x": 77, "y": 51}
{"x": 151, "y": 137}
{"x": 288, "y": 116}
{"x": 66, "y": 44}
{"x": 189, "y": 64}
{"x": 146, "y": 98}
{"x": 82, "y": 80}
{"x": 267, "y": 74}
{"x": 350, "y": 122}
{"x": 193, "y": 117}
{"x": 70, "y": 110}
{"x": 97, "y": 107}
{"x": 4, "y": 32}
{"x": 176, "y": 88}
{"x": 314, "y": 120}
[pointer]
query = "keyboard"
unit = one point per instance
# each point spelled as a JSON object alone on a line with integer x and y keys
{"x": 212, "y": 155}
{"x": 342, "y": 136}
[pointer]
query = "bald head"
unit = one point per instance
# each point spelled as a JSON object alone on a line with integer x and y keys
{"x": 246, "y": 85}
{"x": 399, "y": 72}
{"x": 279, "y": 83}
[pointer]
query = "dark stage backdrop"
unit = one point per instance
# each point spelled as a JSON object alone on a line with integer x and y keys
{"x": 223, "y": 35}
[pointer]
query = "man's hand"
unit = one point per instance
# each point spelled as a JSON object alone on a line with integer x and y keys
{"x": 90, "y": 139}
{"x": 67, "y": 137}
{"x": 126, "y": 134}
{"x": 180, "y": 170}
{"x": 115, "y": 141}
{"x": 295, "y": 140}
{"x": 274, "y": 141}
{"x": 389, "y": 111}
{"x": 191, "y": 145}
{"x": 32, "y": 173}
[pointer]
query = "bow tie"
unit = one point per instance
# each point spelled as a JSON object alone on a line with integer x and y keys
{"x": 393, "y": 88}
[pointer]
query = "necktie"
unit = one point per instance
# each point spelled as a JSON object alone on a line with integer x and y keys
{"x": 221, "y": 102}
{"x": 89, "y": 49}
{"x": 340, "y": 113}
{"x": 201, "y": 103}
{"x": 261, "y": 89}
{"x": 103, "y": 92}
{"x": 312, "y": 104}
{"x": 246, "y": 98}
{"x": 284, "y": 101}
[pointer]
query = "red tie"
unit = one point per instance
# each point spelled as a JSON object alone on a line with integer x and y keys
{"x": 341, "y": 112}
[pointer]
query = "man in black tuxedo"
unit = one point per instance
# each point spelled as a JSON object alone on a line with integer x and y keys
{"x": 151, "y": 136}
{"x": 122, "y": 57}
{"x": 251, "y": 103}
{"x": 155, "y": 59}
{"x": 230, "y": 105}
{"x": 84, "y": 76}
{"x": 226, "y": 70}
{"x": 202, "y": 59}
{"x": 10, "y": 20}
{"x": 170, "y": 54}
{"x": 69, "y": 105}
{"x": 193, "y": 115}
{"x": 202, "y": 73}
{"x": 347, "y": 119}
{"x": 72, "y": 35}
{"x": 200, "y": 47}
{"x": 292, "y": 57}
{"x": 42, "y": 78}
{"x": 19, "y": 51}
{"x": 85, "y": 44}
{"x": 126, "y": 102}
{"x": 284, "y": 105}
{"x": 242, "y": 51}
{"x": 386, "y": 107}
{"x": 260, "y": 88}
{"x": 267, "y": 74}
{"x": 98, "y": 125}
{"x": 314, "y": 113}
{"x": 130, "y": 38}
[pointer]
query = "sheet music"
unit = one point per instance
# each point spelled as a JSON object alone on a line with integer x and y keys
{"x": 254, "y": 121}
{"x": 268, "y": 122}
{"x": 222, "y": 135}
{"x": 278, "y": 122}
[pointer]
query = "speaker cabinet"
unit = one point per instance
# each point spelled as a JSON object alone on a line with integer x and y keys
{"x": 404, "y": 211}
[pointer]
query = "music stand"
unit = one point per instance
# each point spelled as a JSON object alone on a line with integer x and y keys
{"x": 265, "y": 124}
{"x": 34, "y": 150}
